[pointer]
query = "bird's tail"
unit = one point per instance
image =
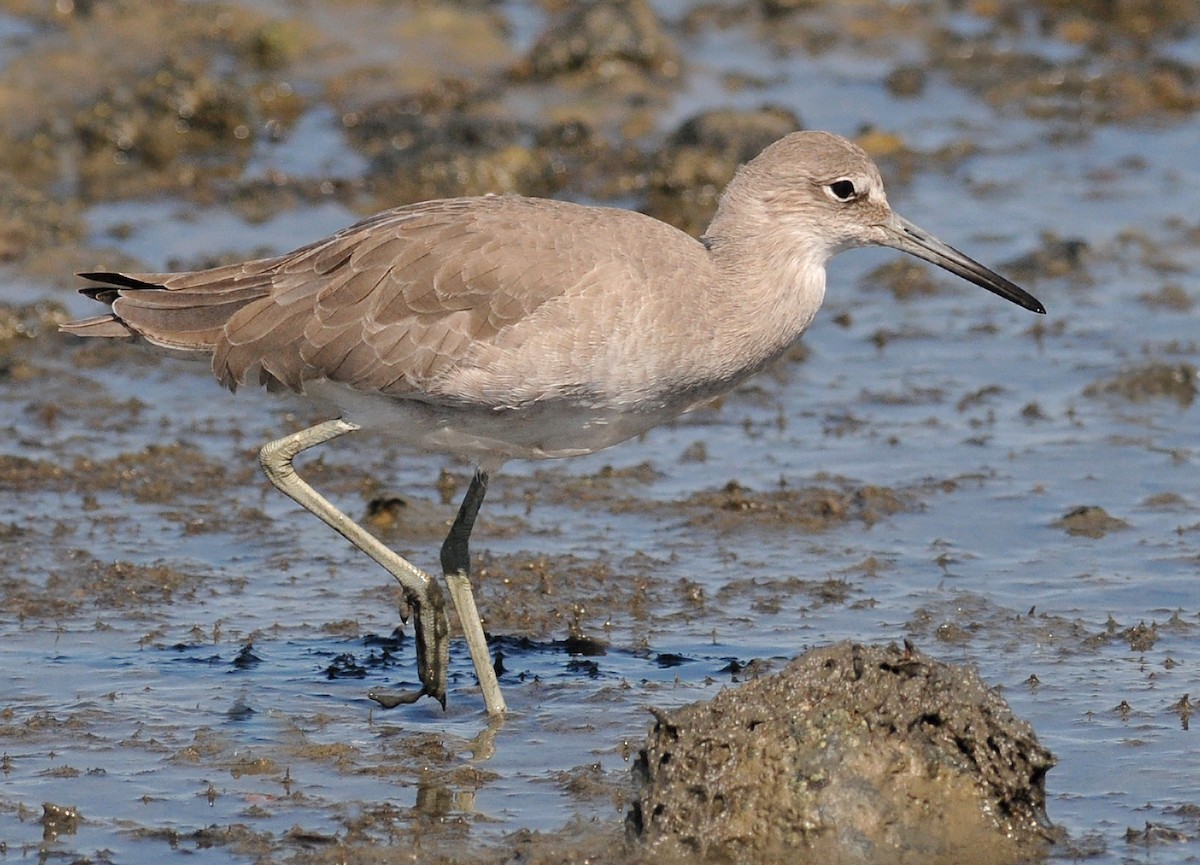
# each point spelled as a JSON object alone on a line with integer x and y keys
{"x": 181, "y": 313}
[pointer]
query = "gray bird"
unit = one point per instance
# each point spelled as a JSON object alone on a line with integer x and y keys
{"x": 498, "y": 328}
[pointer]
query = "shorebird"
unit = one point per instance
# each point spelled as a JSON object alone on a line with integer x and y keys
{"x": 505, "y": 327}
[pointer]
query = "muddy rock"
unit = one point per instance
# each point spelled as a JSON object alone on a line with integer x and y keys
{"x": 700, "y": 159}
{"x": 906, "y": 82}
{"x": 23, "y": 321}
{"x": 443, "y": 143}
{"x": 1175, "y": 381}
{"x": 774, "y": 8}
{"x": 1127, "y": 90}
{"x": 904, "y": 278}
{"x": 150, "y": 131}
{"x": 1101, "y": 24}
{"x": 58, "y": 820}
{"x": 1090, "y": 521}
{"x": 810, "y": 509}
{"x": 31, "y": 220}
{"x": 1171, "y": 297}
{"x": 852, "y": 754}
{"x": 458, "y": 138}
{"x": 1058, "y": 257}
{"x": 136, "y": 99}
{"x": 738, "y": 136}
{"x": 604, "y": 39}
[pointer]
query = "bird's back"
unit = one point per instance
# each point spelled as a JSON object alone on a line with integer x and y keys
{"x": 420, "y": 302}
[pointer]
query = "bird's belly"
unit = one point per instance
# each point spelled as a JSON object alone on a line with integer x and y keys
{"x": 490, "y": 436}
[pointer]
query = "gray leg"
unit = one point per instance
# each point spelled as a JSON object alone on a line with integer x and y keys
{"x": 456, "y": 565}
{"x": 422, "y": 594}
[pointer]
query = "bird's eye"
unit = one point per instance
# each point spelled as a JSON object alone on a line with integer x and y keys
{"x": 843, "y": 190}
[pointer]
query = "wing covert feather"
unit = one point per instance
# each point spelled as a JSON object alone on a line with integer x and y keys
{"x": 398, "y": 302}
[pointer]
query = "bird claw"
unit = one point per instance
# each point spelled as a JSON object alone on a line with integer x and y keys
{"x": 431, "y": 628}
{"x": 392, "y": 699}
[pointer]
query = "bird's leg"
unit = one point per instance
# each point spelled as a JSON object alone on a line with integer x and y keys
{"x": 456, "y": 565}
{"x": 423, "y": 595}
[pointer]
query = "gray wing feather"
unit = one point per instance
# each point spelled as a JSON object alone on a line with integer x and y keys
{"x": 393, "y": 304}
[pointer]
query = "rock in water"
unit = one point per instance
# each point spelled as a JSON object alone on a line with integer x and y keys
{"x": 852, "y": 754}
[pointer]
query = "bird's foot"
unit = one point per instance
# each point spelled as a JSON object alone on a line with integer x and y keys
{"x": 391, "y": 699}
{"x": 431, "y": 628}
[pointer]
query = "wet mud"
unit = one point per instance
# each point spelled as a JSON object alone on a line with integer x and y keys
{"x": 190, "y": 657}
{"x": 849, "y": 754}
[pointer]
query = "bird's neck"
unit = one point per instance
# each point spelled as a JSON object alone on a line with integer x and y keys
{"x": 771, "y": 279}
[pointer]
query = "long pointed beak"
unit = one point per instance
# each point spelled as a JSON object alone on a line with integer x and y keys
{"x": 906, "y": 237}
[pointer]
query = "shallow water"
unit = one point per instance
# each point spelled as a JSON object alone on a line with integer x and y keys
{"x": 126, "y": 698}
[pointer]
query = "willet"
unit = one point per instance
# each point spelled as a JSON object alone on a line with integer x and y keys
{"x": 501, "y": 328}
